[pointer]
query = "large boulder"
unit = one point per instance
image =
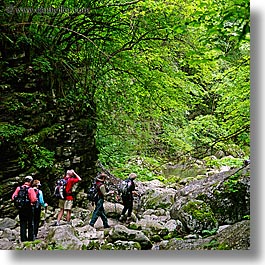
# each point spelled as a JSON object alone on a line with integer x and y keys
{"x": 195, "y": 215}
{"x": 120, "y": 232}
{"x": 220, "y": 199}
{"x": 7, "y": 223}
{"x": 232, "y": 237}
{"x": 155, "y": 195}
{"x": 64, "y": 238}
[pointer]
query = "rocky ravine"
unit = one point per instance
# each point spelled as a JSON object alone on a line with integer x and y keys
{"x": 204, "y": 214}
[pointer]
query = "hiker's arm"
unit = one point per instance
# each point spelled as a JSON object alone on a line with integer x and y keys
{"x": 77, "y": 176}
{"x": 134, "y": 192}
{"x": 15, "y": 193}
{"x": 104, "y": 192}
{"x": 41, "y": 199}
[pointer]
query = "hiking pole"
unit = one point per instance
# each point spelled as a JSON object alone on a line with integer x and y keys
{"x": 139, "y": 205}
{"x": 115, "y": 208}
{"x": 45, "y": 215}
{"x": 116, "y": 198}
{"x": 33, "y": 221}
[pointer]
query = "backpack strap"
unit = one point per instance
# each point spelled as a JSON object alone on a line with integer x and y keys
{"x": 98, "y": 185}
{"x": 37, "y": 193}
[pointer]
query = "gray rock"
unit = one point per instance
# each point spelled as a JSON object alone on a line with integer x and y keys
{"x": 7, "y": 223}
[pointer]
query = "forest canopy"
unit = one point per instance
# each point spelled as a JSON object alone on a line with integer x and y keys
{"x": 161, "y": 79}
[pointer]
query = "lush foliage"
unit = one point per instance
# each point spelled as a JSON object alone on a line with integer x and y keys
{"x": 164, "y": 79}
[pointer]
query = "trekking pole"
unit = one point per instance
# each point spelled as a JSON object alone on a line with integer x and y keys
{"x": 45, "y": 214}
{"x": 115, "y": 208}
{"x": 33, "y": 221}
{"x": 139, "y": 205}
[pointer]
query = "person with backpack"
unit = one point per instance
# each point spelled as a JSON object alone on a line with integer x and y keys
{"x": 99, "y": 210}
{"x": 67, "y": 204}
{"x": 127, "y": 192}
{"x": 25, "y": 199}
{"x": 40, "y": 203}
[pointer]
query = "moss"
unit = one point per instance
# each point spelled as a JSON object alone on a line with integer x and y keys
{"x": 168, "y": 236}
{"x": 155, "y": 238}
{"x": 108, "y": 246}
{"x": 215, "y": 245}
{"x": 200, "y": 211}
{"x": 93, "y": 244}
{"x": 135, "y": 226}
{"x": 163, "y": 232}
{"x": 55, "y": 247}
{"x": 43, "y": 134}
{"x": 223, "y": 246}
{"x": 211, "y": 245}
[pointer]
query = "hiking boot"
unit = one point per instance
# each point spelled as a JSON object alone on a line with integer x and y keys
{"x": 129, "y": 219}
{"x": 56, "y": 223}
{"x": 122, "y": 218}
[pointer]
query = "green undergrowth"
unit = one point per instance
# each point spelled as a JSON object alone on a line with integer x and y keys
{"x": 148, "y": 168}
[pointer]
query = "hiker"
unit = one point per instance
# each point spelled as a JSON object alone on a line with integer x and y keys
{"x": 99, "y": 201}
{"x": 72, "y": 178}
{"x": 40, "y": 202}
{"x": 26, "y": 213}
{"x": 127, "y": 198}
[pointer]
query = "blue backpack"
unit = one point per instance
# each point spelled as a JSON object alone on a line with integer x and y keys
{"x": 124, "y": 187}
{"x": 59, "y": 190}
{"x": 92, "y": 192}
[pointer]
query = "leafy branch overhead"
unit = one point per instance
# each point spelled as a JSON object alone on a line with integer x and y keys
{"x": 158, "y": 78}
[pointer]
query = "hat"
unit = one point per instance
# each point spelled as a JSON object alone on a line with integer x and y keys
{"x": 132, "y": 176}
{"x": 28, "y": 179}
{"x": 102, "y": 176}
{"x": 36, "y": 183}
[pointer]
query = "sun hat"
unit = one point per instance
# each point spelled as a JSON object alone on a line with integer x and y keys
{"x": 28, "y": 179}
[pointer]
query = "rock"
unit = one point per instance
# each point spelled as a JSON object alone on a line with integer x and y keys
{"x": 5, "y": 244}
{"x": 120, "y": 232}
{"x": 63, "y": 237}
{"x": 7, "y": 223}
{"x": 158, "y": 198}
{"x": 121, "y": 245}
{"x": 226, "y": 200}
{"x": 234, "y": 237}
{"x": 188, "y": 223}
{"x": 195, "y": 215}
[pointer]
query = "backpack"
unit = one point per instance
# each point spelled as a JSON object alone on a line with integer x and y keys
{"x": 22, "y": 199}
{"x": 59, "y": 190}
{"x": 92, "y": 192}
{"x": 37, "y": 204}
{"x": 124, "y": 187}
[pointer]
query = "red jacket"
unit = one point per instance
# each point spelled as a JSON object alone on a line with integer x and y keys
{"x": 68, "y": 188}
{"x": 32, "y": 194}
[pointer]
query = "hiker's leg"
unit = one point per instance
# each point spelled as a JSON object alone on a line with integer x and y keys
{"x": 68, "y": 207}
{"x": 31, "y": 236}
{"x": 124, "y": 210}
{"x": 96, "y": 213}
{"x": 130, "y": 208}
{"x": 68, "y": 215}
{"x": 125, "y": 206}
{"x": 60, "y": 214}
{"x": 23, "y": 226}
{"x": 37, "y": 214}
{"x": 103, "y": 216}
